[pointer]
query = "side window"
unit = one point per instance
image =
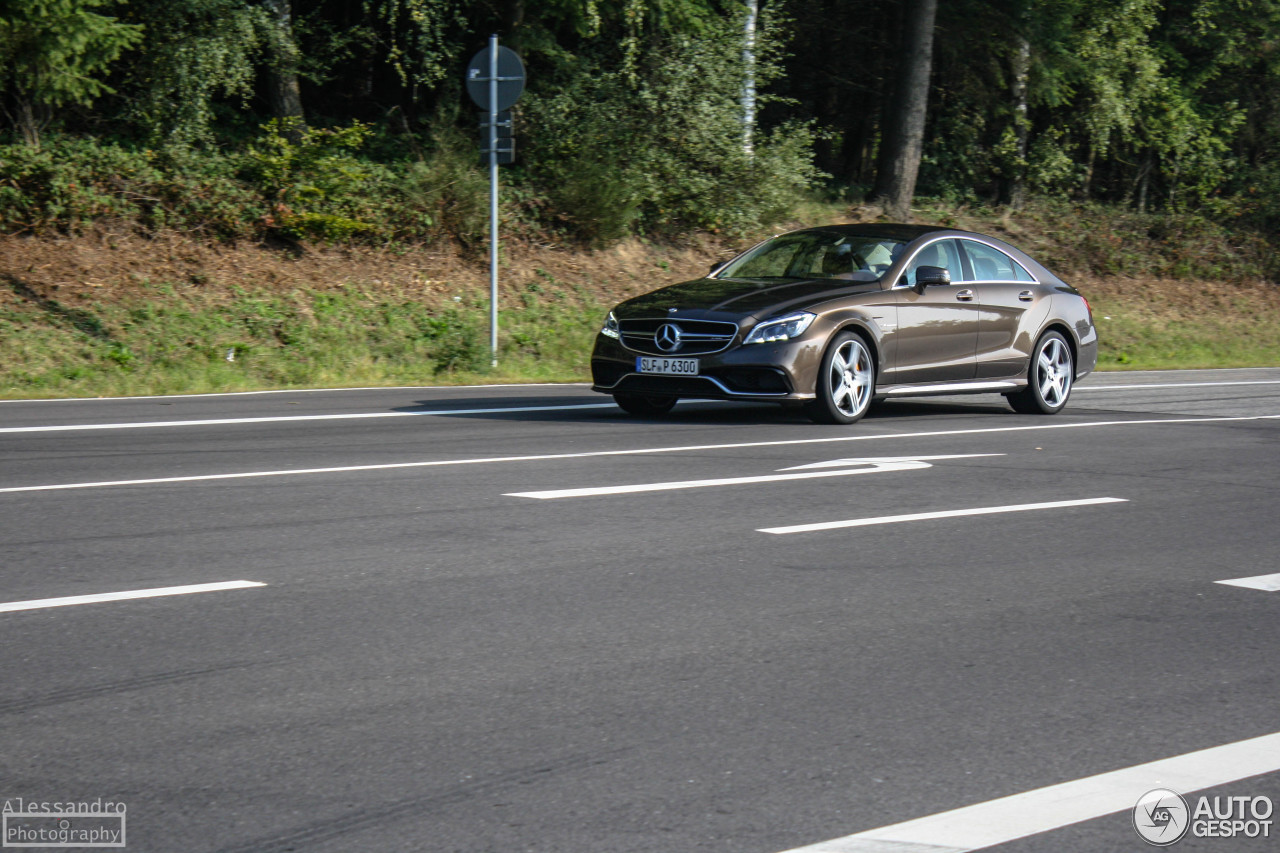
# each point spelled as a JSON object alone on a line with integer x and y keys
{"x": 943, "y": 254}
{"x": 993, "y": 265}
{"x": 951, "y": 250}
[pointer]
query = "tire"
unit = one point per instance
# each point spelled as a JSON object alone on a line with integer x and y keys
{"x": 645, "y": 405}
{"x": 1049, "y": 378}
{"x": 846, "y": 381}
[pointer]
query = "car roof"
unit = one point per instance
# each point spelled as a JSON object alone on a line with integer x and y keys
{"x": 911, "y": 233}
{"x": 894, "y": 231}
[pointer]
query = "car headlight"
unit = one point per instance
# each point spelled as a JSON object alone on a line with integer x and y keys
{"x": 610, "y": 329}
{"x": 781, "y": 329}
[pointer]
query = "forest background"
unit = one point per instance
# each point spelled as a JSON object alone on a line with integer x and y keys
{"x": 216, "y": 194}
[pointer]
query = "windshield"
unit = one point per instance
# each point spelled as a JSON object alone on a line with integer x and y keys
{"x": 817, "y": 254}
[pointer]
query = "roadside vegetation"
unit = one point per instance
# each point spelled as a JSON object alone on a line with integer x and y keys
{"x": 108, "y": 313}
{"x": 204, "y": 195}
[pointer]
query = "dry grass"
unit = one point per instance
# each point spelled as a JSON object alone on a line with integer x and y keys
{"x": 108, "y": 266}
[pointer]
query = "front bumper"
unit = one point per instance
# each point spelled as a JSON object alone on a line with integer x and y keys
{"x": 778, "y": 372}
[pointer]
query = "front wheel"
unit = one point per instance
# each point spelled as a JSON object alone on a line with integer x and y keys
{"x": 645, "y": 405}
{"x": 846, "y": 381}
{"x": 1049, "y": 378}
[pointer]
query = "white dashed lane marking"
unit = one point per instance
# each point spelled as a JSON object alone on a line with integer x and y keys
{"x": 41, "y": 603}
{"x": 1266, "y": 583}
{"x": 928, "y": 516}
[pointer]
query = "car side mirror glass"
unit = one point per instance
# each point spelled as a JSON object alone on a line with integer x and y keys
{"x": 932, "y": 275}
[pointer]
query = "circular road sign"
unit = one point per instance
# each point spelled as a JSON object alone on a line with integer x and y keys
{"x": 510, "y": 79}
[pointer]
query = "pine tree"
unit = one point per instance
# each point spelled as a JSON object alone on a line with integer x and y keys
{"x": 53, "y": 53}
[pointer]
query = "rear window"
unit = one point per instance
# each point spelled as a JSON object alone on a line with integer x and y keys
{"x": 990, "y": 264}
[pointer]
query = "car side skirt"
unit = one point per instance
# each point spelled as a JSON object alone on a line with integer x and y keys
{"x": 1004, "y": 386}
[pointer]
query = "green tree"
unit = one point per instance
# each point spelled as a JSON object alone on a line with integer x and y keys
{"x": 658, "y": 147}
{"x": 1136, "y": 118}
{"x": 1224, "y": 55}
{"x": 194, "y": 52}
{"x": 53, "y": 53}
{"x": 419, "y": 37}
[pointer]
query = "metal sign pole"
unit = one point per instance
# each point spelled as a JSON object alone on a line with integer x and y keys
{"x": 494, "y": 81}
{"x": 493, "y": 199}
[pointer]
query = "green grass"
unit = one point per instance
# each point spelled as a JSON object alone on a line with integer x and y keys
{"x": 1132, "y": 339}
{"x": 168, "y": 344}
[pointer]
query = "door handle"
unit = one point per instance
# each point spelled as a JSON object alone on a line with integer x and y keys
{"x": 965, "y": 296}
{"x": 1025, "y": 296}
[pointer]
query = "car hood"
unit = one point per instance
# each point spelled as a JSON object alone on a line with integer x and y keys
{"x": 740, "y": 296}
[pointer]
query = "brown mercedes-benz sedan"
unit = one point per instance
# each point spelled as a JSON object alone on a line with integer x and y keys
{"x": 835, "y": 317}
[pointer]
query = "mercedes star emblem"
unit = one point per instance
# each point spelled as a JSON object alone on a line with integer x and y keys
{"x": 667, "y": 337}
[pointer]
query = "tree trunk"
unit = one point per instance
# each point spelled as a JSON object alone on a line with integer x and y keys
{"x": 903, "y": 139}
{"x": 282, "y": 66}
{"x": 1144, "y": 179}
{"x": 27, "y": 122}
{"x": 749, "y": 78}
{"x": 510, "y": 16}
{"x": 1021, "y": 67}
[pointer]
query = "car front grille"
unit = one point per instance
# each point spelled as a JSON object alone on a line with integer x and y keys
{"x": 697, "y": 337}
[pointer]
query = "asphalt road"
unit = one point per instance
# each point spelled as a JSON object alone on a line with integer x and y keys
{"x": 508, "y": 619}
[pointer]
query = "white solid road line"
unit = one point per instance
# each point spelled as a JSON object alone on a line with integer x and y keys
{"x": 926, "y": 516}
{"x": 445, "y": 412}
{"x": 40, "y": 603}
{"x": 1010, "y": 818}
{"x": 267, "y": 392}
{"x": 353, "y": 416}
{"x": 859, "y": 466}
{"x": 320, "y": 391}
{"x": 1266, "y": 583}
{"x": 1085, "y": 388}
{"x": 642, "y": 451}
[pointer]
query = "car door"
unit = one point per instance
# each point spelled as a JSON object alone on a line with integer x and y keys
{"x": 937, "y": 334}
{"x": 1011, "y": 306}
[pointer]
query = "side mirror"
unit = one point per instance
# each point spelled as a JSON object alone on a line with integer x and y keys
{"x": 932, "y": 275}
{"x": 715, "y": 267}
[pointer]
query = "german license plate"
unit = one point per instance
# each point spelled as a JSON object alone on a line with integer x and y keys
{"x": 667, "y": 366}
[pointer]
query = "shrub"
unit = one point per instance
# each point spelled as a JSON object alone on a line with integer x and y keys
{"x": 447, "y": 189}
{"x": 67, "y": 183}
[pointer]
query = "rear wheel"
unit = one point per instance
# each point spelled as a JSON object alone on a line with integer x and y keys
{"x": 645, "y": 405}
{"x": 846, "y": 381}
{"x": 1049, "y": 378}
